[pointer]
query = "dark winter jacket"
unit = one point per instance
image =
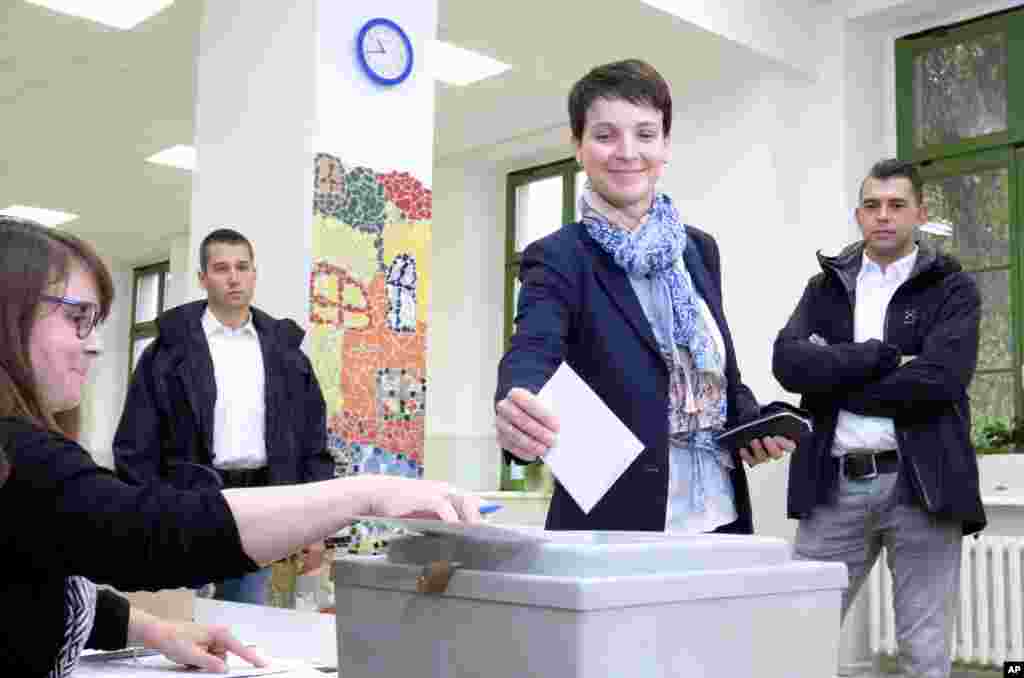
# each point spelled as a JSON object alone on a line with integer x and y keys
{"x": 935, "y": 316}
{"x": 166, "y": 429}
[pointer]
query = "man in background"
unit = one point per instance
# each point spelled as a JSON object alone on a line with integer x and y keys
{"x": 882, "y": 347}
{"x": 225, "y": 397}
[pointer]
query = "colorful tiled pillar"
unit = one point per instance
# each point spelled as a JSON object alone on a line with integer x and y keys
{"x": 371, "y": 205}
{"x": 320, "y": 149}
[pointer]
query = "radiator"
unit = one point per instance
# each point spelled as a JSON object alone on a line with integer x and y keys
{"x": 988, "y": 628}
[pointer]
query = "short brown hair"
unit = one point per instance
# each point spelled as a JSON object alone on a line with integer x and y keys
{"x": 33, "y": 258}
{"x": 227, "y": 236}
{"x": 632, "y": 80}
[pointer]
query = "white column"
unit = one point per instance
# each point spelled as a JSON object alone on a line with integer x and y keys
{"x": 255, "y": 112}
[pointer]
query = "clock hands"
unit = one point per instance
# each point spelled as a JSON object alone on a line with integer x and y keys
{"x": 380, "y": 48}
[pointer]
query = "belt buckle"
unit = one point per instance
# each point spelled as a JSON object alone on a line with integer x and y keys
{"x": 873, "y": 473}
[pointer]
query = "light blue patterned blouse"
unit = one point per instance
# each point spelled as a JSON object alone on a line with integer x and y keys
{"x": 683, "y": 516}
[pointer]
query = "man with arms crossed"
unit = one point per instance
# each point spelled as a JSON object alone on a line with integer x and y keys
{"x": 882, "y": 348}
{"x": 225, "y": 395}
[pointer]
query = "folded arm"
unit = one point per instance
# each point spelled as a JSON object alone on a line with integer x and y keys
{"x": 940, "y": 373}
{"x": 814, "y": 368}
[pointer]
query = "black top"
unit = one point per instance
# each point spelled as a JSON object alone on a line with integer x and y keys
{"x": 62, "y": 515}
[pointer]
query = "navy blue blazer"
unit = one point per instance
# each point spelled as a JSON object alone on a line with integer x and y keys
{"x": 576, "y": 304}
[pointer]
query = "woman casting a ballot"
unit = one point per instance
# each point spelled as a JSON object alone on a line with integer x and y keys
{"x": 630, "y": 298}
{"x": 66, "y": 523}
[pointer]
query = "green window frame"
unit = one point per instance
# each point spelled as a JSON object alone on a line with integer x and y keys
{"x": 143, "y": 329}
{"x": 568, "y": 169}
{"x": 986, "y": 153}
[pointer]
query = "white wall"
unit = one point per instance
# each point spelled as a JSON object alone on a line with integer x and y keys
{"x": 104, "y": 394}
{"x": 180, "y": 275}
{"x": 466, "y": 326}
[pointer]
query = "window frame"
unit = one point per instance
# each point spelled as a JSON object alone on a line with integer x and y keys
{"x": 567, "y": 168}
{"x": 144, "y": 330}
{"x": 907, "y": 48}
{"x": 995, "y": 150}
{"x": 997, "y": 158}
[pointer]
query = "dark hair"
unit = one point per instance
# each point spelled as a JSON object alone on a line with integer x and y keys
{"x": 633, "y": 80}
{"x": 891, "y": 168}
{"x": 33, "y": 259}
{"x": 227, "y": 236}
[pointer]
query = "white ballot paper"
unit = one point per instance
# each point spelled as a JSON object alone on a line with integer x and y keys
{"x": 594, "y": 447}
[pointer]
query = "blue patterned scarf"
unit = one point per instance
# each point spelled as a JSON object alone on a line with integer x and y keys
{"x": 655, "y": 250}
{"x": 697, "y": 402}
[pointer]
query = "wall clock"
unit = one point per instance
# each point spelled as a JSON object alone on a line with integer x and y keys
{"x": 384, "y": 51}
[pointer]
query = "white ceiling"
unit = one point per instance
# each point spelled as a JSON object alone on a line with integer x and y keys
{"x": 82, "y": 105}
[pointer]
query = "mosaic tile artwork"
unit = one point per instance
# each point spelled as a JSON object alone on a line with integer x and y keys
{"x": 369, "y": 297}
{"x": 400, "y": 395}
{"x": 408, "y": 194}
{"x": 402, "y": 294}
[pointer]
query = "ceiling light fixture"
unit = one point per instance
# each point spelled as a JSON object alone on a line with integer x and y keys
{"x": 121, "y": 14}
{"x": 459, "y": 66}
{"x": 180, "y": 156}
{"x": 39, "y": 215}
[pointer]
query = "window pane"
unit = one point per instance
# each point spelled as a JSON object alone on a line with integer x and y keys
{"x": 996, "y": 347}
{"x": 960, "y": 90}
{"x": 147, "y": 296}
{"x": 516, "y": 287}
{"x": 970, "y": 217}
{"x": 138, "y": 346}
{"x": 581, "y": 180}
{"x": 538, "y": 210}
{"x": 992, "y": 400}
{"x": 168, "y": 281}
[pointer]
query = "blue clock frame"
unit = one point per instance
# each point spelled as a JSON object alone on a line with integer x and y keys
{"x": 361, "y": 56}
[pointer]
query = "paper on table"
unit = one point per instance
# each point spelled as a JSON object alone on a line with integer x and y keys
{"x": 594, "y": 447}
{"x": 161, "y": 666}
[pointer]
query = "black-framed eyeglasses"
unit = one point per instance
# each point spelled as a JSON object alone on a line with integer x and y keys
{"x": 84, "y": 314}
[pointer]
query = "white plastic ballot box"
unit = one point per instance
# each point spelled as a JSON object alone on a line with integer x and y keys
{"x": 563, "y": 604}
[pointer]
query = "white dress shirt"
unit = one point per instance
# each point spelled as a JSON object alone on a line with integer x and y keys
{"x": 239, "y": 414}
{"x": 875, "y": 289}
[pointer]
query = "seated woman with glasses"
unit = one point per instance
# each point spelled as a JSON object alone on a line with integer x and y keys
{"x": 66, "y": 523}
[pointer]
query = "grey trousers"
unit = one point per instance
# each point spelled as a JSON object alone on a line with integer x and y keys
{"x": 923, "y": 555}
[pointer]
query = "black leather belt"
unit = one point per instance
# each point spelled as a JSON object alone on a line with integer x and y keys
{"x": 245, "y": 477}
{"x": 861, "y": 466}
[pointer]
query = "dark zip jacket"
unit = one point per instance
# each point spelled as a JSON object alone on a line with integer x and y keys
{"x": 166, "y": 430}
{"x": 935, "y": 316}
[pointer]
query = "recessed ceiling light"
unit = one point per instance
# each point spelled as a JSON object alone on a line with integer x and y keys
{"x": 120, "y": 14}
{"x": 183, "y": 157}
{"x": 458, "y": 66}
{"x": 39, "y": 215}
